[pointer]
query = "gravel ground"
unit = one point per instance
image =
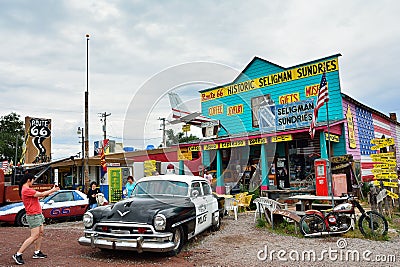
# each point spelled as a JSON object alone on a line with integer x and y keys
{"x": 238, "y": 243}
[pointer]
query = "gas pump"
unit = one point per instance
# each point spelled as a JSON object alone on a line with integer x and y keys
{"x": 321, "y": 177}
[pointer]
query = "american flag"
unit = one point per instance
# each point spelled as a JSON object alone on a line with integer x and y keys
{"x": 103, "y": 157}
{"x": 322, "y": 98}
{"x": 4, "y": 165}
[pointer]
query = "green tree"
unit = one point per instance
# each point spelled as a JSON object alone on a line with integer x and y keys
{"x": 175, "y": 139}
{"x": 11, "y": 135}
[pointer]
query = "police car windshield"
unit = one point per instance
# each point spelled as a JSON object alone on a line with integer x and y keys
{"x": 161, "y": 187}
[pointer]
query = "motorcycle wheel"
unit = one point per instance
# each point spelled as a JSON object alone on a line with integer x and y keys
{"x": 373, "y": 224}
{"x": 310, "y": 224}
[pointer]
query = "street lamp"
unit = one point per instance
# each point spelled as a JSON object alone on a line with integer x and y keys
{"x": 82, "y": 137}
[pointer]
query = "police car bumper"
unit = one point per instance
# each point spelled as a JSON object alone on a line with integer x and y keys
{"x": 160, "y": 243}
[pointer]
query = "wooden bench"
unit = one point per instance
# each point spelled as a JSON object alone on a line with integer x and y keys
{"x": 270, "y": 207}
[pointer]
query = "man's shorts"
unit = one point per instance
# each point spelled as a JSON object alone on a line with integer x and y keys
{"x": 35, "y": 220}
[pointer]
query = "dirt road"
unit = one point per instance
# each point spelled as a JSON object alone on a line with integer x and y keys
{"x": 238, "y": 243}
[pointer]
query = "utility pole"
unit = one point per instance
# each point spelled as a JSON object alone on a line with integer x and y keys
{"x": 164, "y": 142}
{"x": 86, "y": 161}
{"x": 104, "y": 120}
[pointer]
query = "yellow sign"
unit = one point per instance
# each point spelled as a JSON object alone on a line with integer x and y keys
{"x": 281, "y": 138}
{"x": 289, "y": 98}
{"x": 210, "y": 147}
{"x": 384, "y": 166}
{"x": 333, "y": 137}
{"x": 376, "y": 171}
{"x": 350, "y": 129}
{"x": 114, "y": 183}
{"x": 232, "y": 144}
{"x": 186, "y": 128}
{"x": 383, "y": 142}
{"x": 381, "y": 155}
{"x": 386, "y": 175}
{"x": 392, "y": 195}
{"x": 389, "y": 184}
{"x": 184, "y": 154}
{"x": 149, "y": 167}
{"x": 311, "y": 90}
{"x": 194, "y": 148}
{"x": 388, "y": 161}
{"x": 235, "y": 110}
{"x": 257, "y": 141}
{"x": 273, "y": 79}
{"x": 215, "y": 110}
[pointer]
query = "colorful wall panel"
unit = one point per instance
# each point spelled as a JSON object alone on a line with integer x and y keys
{"x": 267, "y": 87}
{"x": 369, "y": 125}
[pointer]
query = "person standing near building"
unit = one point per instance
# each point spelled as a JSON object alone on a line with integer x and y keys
{"x": 30, "y": 198}
{"x": 130, "y": 184}
{"x": 208, "y": 176}
{"x": 92, "y": 194}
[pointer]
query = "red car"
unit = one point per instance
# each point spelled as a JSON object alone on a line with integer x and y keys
{"x": 63, "y": 204}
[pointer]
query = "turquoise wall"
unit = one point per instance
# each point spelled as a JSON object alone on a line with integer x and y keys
{"x": 242, "y": 123}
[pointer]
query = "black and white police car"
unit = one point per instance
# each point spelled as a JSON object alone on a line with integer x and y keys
{"x": 161, "y": 214}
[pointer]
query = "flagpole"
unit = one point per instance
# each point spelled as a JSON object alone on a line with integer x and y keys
{"x": 329, "y": 155}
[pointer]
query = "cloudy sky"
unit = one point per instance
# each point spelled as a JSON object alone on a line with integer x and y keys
{"x": 43, "y": 55}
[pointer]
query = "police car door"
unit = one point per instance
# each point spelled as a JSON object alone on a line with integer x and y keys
{"x": 200, "y": 204}
{"x": 211, "y": 202}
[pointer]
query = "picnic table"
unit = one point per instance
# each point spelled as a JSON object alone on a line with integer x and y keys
{"x": 285, "y": 193}
{"x": 306, "y": 201}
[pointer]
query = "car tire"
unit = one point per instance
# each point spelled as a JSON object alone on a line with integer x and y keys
{"x": 178, "y": 238}
{"x": 215, "y": 227}
{"x": 20, "y": 219}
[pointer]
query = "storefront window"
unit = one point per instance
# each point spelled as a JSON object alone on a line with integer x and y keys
{"x": 264, "y": 101}
{"x": 302, "y": 153}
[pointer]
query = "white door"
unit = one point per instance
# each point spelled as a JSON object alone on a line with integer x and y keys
{"x": 200, "y": 203}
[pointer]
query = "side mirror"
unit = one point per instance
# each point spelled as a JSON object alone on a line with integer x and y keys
{"x": 195, "y": 193}
{"x": 50, "y": 202}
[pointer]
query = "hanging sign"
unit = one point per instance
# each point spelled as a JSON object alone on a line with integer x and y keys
{"x": 294, "y": 115}
{"x": 257, "y": 141}
{"x": 333, "y": 137}
{"x": 210, "y": 147}
{"x": 184, "y": 154}
{"x": 350, "y": 129}
{"x": 194, "y": 148}
{"x": 392, "y": 195}
{"x": 281, "y": 138}
{"x": 186, "y": 128}
{"x": 232, "y": 144}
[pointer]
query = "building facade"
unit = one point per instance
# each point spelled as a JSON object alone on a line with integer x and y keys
{"x": 264, "y": 117}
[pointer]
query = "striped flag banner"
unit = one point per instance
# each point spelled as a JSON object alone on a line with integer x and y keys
{"x": 4, "y": 165}
{"x": 322, "y": 98}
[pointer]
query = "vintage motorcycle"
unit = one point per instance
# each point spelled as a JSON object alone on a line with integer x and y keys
{"x": 341, "y": 219}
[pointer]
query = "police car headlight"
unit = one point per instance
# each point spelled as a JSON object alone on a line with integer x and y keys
{"x": 88, "y": 219}
{"x": 160, "y": 222}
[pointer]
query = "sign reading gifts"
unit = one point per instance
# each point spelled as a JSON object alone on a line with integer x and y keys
{"x": 294, "y": 115}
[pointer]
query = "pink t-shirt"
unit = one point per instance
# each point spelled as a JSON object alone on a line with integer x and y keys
{"x": 31, "y": 203}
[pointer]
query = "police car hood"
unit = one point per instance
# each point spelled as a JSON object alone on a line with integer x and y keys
{"x": 142, "y": 209}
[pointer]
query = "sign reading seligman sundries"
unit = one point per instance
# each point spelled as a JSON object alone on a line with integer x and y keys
{"x": 37, "y": 140}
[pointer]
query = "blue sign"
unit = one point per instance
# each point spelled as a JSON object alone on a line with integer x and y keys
{"x": 294, "y": 115}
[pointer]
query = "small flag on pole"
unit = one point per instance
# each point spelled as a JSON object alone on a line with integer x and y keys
{"x": 322, "y": 98}
{"x": 103, "y": 158}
